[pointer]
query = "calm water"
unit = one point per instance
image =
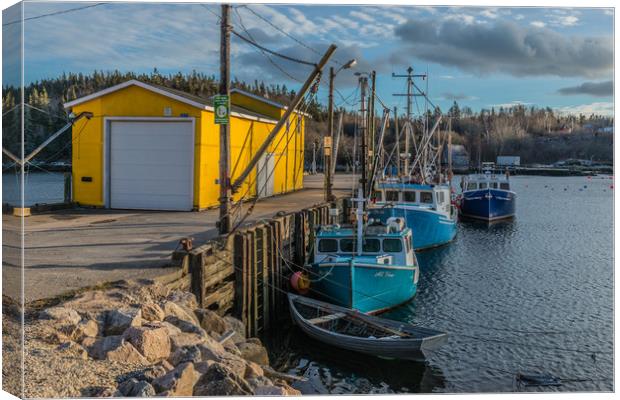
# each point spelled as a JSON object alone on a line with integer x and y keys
{"x": 533, "y": 295}
{"x": 41, "y": 187}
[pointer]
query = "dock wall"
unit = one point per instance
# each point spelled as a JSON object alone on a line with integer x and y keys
{"x": 247, "y": 273}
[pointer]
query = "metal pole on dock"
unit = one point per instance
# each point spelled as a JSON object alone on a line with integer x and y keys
{"x": 224, "y": 90}
{"x": 397, "y": 134}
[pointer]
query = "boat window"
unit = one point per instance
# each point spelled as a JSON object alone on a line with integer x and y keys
{"x": 442, "y": 197}
{"x": 504, "y": 186}
{"x": 376, "y": 195}
{"x": 371, "y": 246}
{"x": 426, "y": 197}
{"x": 409, "y": 196}
{"x": 328, "y": 245}
{"x": 347, "y": 245}
{"x": 483, "y": 185}
{"x": 471, "y": 186}
{"x": 493, "y": 185}
{"x": 392, "y": 245}
{"x": 391, "y": 195}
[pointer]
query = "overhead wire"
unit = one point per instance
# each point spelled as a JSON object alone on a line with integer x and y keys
{"x": 53, "y": 13}
{"x": 263, "y": 52}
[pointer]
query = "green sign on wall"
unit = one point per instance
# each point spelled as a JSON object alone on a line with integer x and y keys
{"x": 221, "y": 104}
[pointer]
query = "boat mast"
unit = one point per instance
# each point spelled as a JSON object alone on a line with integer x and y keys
{"x": 360, "y": 200}
{"x": 364, "y": 144}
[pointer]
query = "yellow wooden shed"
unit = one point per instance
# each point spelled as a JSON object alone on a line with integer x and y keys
{"x": 155, "y": 148}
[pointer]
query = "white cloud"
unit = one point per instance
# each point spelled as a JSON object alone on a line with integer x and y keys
{"x": 609, "y": 12}
{"x": 464, "y": 18}
{"x": 513, "y": 103}
{"x": 538, "y": 24}
{"x": 362, "y": 16}
{"x": 600, "y": 108}
{"x": 490, "y": 13}
{"x": 446, "y": 77}
{"x": 519, "y": 17}
{"x": 568, "y": 20}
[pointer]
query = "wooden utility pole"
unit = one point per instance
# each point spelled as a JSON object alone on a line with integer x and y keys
{"x": 225, "y": 189}
{"x": 364, "y": 144}
{"x": 329, "y": 138}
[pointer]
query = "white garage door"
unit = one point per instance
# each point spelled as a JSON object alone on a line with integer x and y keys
{"x": 151, "y": 165}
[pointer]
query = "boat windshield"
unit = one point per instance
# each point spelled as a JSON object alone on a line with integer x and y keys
{"x": 426, "y": 197}
{"x": 409, "y": 196}
{"x": 328, "y": 245}
{"x": 504, "y": 186}
{"x": 392, "y": 245}
{"x": 391, "y": 195}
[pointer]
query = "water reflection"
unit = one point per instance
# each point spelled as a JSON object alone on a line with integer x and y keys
{"x": 330, "y": 370}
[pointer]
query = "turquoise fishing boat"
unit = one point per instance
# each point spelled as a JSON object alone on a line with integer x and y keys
{"x": 370, "y": 269}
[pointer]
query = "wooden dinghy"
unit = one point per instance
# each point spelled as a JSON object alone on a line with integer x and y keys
{"x": 362, "y": 333}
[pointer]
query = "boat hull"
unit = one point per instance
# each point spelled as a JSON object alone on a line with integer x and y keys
{"x": 418, "y": 347}
{"x": 363, "y": 287}
{"x": 488, "y": 204}
{"x": 430, "y": 229}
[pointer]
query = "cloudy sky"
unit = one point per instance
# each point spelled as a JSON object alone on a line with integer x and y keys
{"x": 481, "y": 57}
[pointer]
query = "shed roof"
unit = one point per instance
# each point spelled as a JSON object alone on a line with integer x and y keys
{"x": 179, "y": 95}
{"x": 265, "y": 100}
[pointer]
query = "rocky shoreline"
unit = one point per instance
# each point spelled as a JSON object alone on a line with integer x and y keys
{"x": 140, "y": 339}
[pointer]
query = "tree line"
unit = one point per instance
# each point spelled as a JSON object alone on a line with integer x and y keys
{"x": 538, "y": 135}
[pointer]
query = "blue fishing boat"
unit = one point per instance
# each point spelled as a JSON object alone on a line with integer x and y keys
{"x": 426, "y": 209}
{"x": 488, "y": 196}
{"x": 370, "y": 269}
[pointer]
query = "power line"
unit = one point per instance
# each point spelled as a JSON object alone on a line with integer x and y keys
{"x": 253, "y": 43}
{"x": 262, "y": 51}
{"x": 285, "y": 33}
{"x": 54, "y": 13}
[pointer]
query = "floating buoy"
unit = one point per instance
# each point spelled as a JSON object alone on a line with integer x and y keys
{"x": 589, "y": 177}
{"x": 611, "y": 186}
{"x": 585, "y": 186}
{"x": 300, "y": 282}
{"x": 565, "y": 189}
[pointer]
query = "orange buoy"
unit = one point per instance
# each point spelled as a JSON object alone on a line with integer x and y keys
{"x": 300, "y": 282}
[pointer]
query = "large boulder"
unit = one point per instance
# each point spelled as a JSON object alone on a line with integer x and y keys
{"x": 210, "y": 321}
{"x": 211, "y": 349}
{"x": 126, "y": 352}
{"x": 61, "y": 315}
{"x": 113, "y": 348}
{"x": 178, "y": 382}
{"x": 72, "y": 350}
{"x": 83, "y": 329}
{"x": 185, "y": 339}
{"x": 152, "y": 312}
{"x": 221, "y": 381}
{"x": 135, "y": 388}
{"x": 117, "y": 321}
{"x": 253, "y": 350}
{"x": 181, "y": 312}
{"x": 185, "y": 354}
{"x": 184, "y": 299}
{"x": 237, "y": 326}
{"x": 184, "y": 325}
{"x": 151, "y": 341}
